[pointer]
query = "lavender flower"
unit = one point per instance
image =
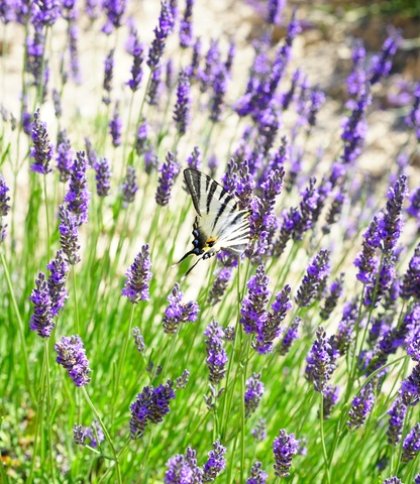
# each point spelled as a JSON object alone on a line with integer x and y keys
{"x": 150, "y": 406}
{"x": 257, "y": 475}
{"x": 58, "y": 268}
{"x": 356, "y": 80}
{"x": 182, "y": 380}
{"x": 344, "y": 333}
{"x": 185, "y": 27}
{"x": 275, "y": 8}
{"x": 183, "y": 469}
{"x": 396, "y": 421}
{"x": 414, "y": 207}
{"x": 381, "y": 64}
{"x": 90, "y": 153}
{"x": 230, "y": 56}
{"x": 253, "y": 310}
{"x": 220, "y": 284}
{"x": 74, "y": 51}
{"x": 178, "y": 312}
{"x": 289, "y": 337}
{"x": 285, "y": 446}
{"x": 114, "y": 10}
{"x": 138, "y": 276}
{"x": 309, "y": 287}
{"x": 215, "y": 463}
{"x": 410, "y": 387}
{"x": 219, "y": 91}
{"x": 367, "y": 261}
{"x": 183, "y": 103}
{"x": 154, "y": 86}
{"x": 138, "y": 340}
{"x": 334, "y": 293}
{"x": 330, "y": 395}
{"x": 259, "y": 432}
{"x": 411, "y": 445}
{"x": 72, "y": 356}
{"x": 361, "y": 406}
{"x": 4, "y": 207}
{"x": 142, "y": 141}
{"x": 115, "y": 127}
{"x": 316, "y": 100}
{"x": 165, "y": 26}
{"x": 392, "y": 480}
{"x": 253, "y": 393}
{"x": 129, "y": 186}
{"x": 64, "y": 157}
{"x": 136, "y": 68}
{"x": 102, "y": 177}
{"x": 42, "y": 318}
{"x": 42, "y": 149}
{"x": 321, "y": 361}
{"x": 216, "y": 354}
{"x": 69, "y": 235}
{"x": 108, "y": 75}
{"x": 151, "y": 162}
{"x": 195, "y": 58}
{"x": 334, "y": 212}
{"x": 77, "y": 197}
{"x": 91, "y": 436}
{"x": 168, "y": 174}
{"x": 194, "y": 160}
{"x": 45, "y": 12}
{"x": 269, "y": 330}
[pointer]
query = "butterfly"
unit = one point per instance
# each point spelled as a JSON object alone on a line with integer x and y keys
{"x": 218, "y": 224}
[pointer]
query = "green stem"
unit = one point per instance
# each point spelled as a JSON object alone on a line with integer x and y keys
{"x": 47, "y": 217}
{"x": 76, "y": 304}
{"x": 105, "y": 431}
{"x": 321, "y": 426}
{"x": 20, "y": 326}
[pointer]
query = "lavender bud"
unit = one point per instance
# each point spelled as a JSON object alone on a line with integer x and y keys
{"x": 411, "y": 445}
{"x": 77, "y": 197}
{"x": 182, "y": 108}
{"x": 220, "y": 284}
{"x": 291, "y": 333}
{"x": 138, "y": 340}
{"x": 257, "y": 475}
{"x": 58, "y": 268}
{"x": 102, "y": 177}
{"x": 194, "y": 160}
{"x": 72, "y": 356}
{"x": 114, "y": 10}
{"x": 330, "y": 394}
{"x": 413, "y": 119}
{"x": 253, "y": 393}
{"x": 108, "y": 75}
{"x": 344, "y": 333}
{"x": 317, "y": 270}
{"x": 4, "y": 207}
{"x": 381, "y": 64}
{"x": 129, "y": 186}
{"x": 321, "y": 361}
{"x": 115, "y": 128}
{"x": 69, "y": 235}
{"x": 42, "y": 318}
{"x": 219, "y": 91}
{"x": 138, "y": 276}
{"x": 216, "y": 354}
{"x": 334, "y": 293}
{"x": 185, "y": 28}
{"x": 178, "y": 312}
{"x": 253, "y": 310}
{"x": 142, "y": 141}
{"x": 42, "y": 149}
{"x": 150, "y": 406}
{"x": 64, "y": 157}
{"x": 361, "y": 406}
{"x": 259, "y": 432}
{"x": 397, "y": 415}
{"x": 182, "y": 381}
{"x": 183, "y": 468}
{"x": 168, "y": 174}
{"x": 165, "y": 25}
{"x": 91, "y": 436}
{"x": 136, "y": 68}
{"x": 285, "y": 446}
{"x": 215, "y": 463}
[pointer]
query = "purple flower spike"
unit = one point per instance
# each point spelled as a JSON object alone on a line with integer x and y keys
{"x": 410, "y": 387}
{"x": 253, "y": 393}
{"x": 45, "y": 12}
{"x": 42, "y": 149}
{"x": 164, "y": 28}
{"x": 317, "y": 270}
{"x": 356, "y": 80}
{"x": 77, "y": 197}
{"x": 413, "y": 119}
{"x": 330, "y": 394}
{"x": 396, "y": 421}
{"x": 411, "y": 282}
{"x": 216, "y": 354}
{"x": 183, "y": 103}
{"x": 219, "y": 91}
{"x": 321, "y": 361}
{"x": 136, "y": 287}
{"x": 42, "y": 317}
{"x": 291, "y": 333}
{"x": 392, "y": 480}
{"x": 275, "y": 9}
{"x": 344, "y": 335}
{"x": 4, "y": 207}
{"x": 150, "y": 406}
{"x": 361, "y": 406}
{"x": 72, "y": 356}
{"x": 270, "y": 329}
{"x": 414, "y": 207}
{"x": 334, "y": 293}
{"x": 215, "y": 463}
{"x": 114, "y": 10}
{"x": 58, "y": 268}
{"x": 136, "y": 68}
{"x": 69, "y": 235}
{"x": 178, "y": 312}
{"x": 381, "y": 64}
{"x": 411, "y": 445}
{"x": 115, "y": 128}
{"x": 194, "y": 160}
{"x": 253, "y": 310}
{"x": 285, "y": 447}
{"x": 257, "y": 475}
{"x": 183, "y": 469}
{"x": 220, "y": 284}
{"x": 64, "y": 157}
{"x": 367, "y": 260}
{"x": 130, "y": 186}
{"x": 185, "y": 28}
{"x": 168, "y": 174}
{"x": 102, "y": 177}
{"x": 91, "y": 436}
{"x": 142, "y": 138}
{"x": 108, "y": 75}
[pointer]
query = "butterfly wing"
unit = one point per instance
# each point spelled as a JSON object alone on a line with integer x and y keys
{"x": 220, "y": 223}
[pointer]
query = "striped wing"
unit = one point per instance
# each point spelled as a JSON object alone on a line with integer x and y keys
{"x": 218, "y": 216}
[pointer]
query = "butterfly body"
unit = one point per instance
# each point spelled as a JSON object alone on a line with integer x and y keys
{"x": 219, "y": 223}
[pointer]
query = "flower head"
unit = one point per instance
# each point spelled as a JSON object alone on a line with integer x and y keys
{"x": 72, "y": 356}
{"x": 285, "y": 446}
{"x": 42, "y": 317}
{"x": 216, "y": 354}
{"x": 4, "y": 207}
{"x": 334, "y": 293}
{"x": 91, "y": 436}
{"x": 169, "y": 171}
{"x": 102, "y": 177}
{"x": 183, "y": 469}
{"x": 411, "y": 282}
{"x": 178, "y": 312}
{"x": 77, "y": 197}
{"x": 311, "y": 282}
{"x": 69, "y": 235}
{"x": 164, "y": 28}
{"x": 220, "y": 284}
{"x": 42, "y": 149}
{"x": 291, "y": 333}
{"x": 138, "y": 276}
{"x": 115, "y": 127}
{"x": 136, "y": 67}
{"x": 253, "y": 393}
{"x": 185, "y": 27}
{"x": 396, "y": 421}
{"x": 58, "y": 268}
{"x": 330, "y": 394}
{"x": 138, "y": 339}
{"x": 381, "y": 64}
{"x": 64, "y": 157}
{"x": 320, "y": 362}
{"x": 129, "y": 186}
{"x": 150, "y": 406}
{"x": 253, "y": 310}
{"x": 215, "y": 463}
{"x": 257, "y": 475}
{"x": 183, "y": 103}
{"x": 411, "y": 445}
{"x": 361, "y": 406}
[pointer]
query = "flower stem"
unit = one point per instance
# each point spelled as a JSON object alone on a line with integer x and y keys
{"x": 105, "y": 431}
{"x": 321, "y": 426}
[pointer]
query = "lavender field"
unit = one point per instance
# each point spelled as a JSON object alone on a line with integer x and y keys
{"x": 277, "y": 145}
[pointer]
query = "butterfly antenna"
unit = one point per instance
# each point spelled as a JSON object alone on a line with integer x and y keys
{"x": 192, "y": 267}
{"x": 190, "y": 252}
